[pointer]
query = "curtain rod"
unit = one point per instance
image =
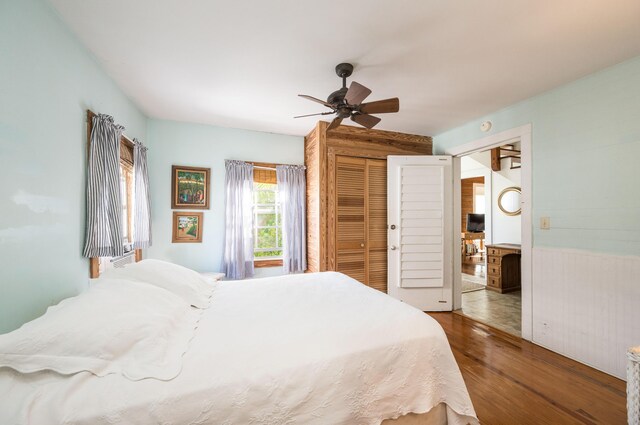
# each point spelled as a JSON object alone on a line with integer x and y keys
{"x": 91, "y": 114}
{"x": 266, "y": 165}
{"x": 264, "y": 168}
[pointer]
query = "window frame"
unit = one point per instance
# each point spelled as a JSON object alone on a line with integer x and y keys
{"x": 94, "y": 262}
{"x": 475, "y": 189}
{"x": 266, "y": 261}
{"x": 127, "y": 173}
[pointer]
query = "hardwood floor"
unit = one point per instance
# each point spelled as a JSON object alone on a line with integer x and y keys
{"x": 512, "y": 381}
{"x": 474, "y": 265}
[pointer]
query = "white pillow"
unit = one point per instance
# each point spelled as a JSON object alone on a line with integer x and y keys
{"x": 185, "y": 283}
{"x": 117, "y": 326}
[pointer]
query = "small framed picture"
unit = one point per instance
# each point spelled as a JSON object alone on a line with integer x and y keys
{"x": 187, "y": 227}
{"x": 189, "y": 187}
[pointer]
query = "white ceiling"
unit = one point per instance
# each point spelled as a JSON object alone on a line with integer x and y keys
{"x": 242, "y": 63}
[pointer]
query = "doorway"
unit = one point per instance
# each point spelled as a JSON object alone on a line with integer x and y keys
{"x": 480, "y": 261}
{"x": 490, "y": 238}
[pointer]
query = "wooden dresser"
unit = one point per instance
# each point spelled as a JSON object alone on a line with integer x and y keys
{"x": 503, "y": 267}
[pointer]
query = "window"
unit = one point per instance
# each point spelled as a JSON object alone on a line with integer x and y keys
{"x": 267, "y": 217}
{"x": 126, "y": 196}
{"x": 478, "y": 198}
{"x": 126, "y": 192}
{"x": 267, "y": 221}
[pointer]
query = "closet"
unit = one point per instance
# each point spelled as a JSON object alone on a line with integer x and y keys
{"x": 360, "y": 225}
{"x": 347, "y": 198}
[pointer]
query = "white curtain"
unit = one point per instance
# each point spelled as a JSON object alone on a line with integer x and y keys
{"x": 104, "y": 235}
{"x": 292, "y": 189}
{"x": 142, "y": 200}
{"x": 238, "y": 248}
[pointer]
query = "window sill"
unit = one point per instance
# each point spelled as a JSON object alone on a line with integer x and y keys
{"x": 268, "y": 263}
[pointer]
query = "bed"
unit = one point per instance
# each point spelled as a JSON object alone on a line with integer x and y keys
{"x": 316, "y": 348}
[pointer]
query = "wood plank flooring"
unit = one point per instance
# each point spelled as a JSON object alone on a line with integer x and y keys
{"x": 474, "y": 265}
{"x": 512, "y": 381}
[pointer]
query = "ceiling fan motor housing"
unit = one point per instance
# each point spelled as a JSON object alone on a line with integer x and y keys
{"x": 337, "y": 97}
{"x": 344, "y": 111}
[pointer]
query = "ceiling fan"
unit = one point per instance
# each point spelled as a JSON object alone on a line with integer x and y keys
{"x": 347, "y": 102}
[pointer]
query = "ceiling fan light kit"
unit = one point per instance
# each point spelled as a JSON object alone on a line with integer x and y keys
{"x": 347, "y": 102}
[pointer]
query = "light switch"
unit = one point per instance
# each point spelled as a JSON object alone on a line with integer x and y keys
{"x": 545, "y": 223}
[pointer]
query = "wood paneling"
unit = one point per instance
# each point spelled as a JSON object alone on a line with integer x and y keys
{"x": 466, "y": 190}
{"x": 321, "y": 149}
{"x": 312, "y": 161}
{"x": 512, "y": 381}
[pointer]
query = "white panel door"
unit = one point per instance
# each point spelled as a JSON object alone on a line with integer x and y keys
{"x": 420, "y": 200}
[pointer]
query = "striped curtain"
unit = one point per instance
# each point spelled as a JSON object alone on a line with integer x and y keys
{"x": 238, "y": 235}
{"x": 292, "y": 189}
{"x": 104, "y": 236}
{"x": 142, "y": 200}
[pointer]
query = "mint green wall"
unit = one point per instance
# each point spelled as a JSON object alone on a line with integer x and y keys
{"x": 586, "y": 157}
{"x": 172, "y": 143}
{"x": 47, "y": 81}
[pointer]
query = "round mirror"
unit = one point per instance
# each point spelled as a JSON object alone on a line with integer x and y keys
{"x": 509, "y": 201}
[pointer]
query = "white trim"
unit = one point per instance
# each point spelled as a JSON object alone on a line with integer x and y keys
{"x": 457, "y": 218}
{"x": 523, "y": 134}
{"x": 492, "y": 141}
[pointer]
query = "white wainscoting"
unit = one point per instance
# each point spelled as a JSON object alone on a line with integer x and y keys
{"x": 586, "y": 306}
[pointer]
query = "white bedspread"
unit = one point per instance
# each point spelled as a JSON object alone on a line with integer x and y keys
{"x": 301, "y": 349}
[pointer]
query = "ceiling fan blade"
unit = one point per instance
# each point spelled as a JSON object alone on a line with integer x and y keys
{"x": 365, "y": 120}
{"x": 311, "y": 115}
{"x": 381, "y": 106}
{"x": 356, "y": 93}
{"x": 336, "y": 122}
{"x": 314, "y": 99}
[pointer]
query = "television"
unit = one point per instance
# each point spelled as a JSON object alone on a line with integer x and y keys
{"x": 475, "y": 223}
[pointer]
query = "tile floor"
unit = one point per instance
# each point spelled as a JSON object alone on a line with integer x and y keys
{"x": 502, "y": 311}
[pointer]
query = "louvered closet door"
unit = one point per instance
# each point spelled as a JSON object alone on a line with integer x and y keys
{"x": 421, "y": 226}
{"x": 420, "y": 244}
{"x": 350, "y": 232}
{"x": 376, "y": 216}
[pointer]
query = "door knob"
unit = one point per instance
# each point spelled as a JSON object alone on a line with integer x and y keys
{"x": 393, "y": 227}
{"x": 392, "y": 247}
{"x": 361, "y": 245}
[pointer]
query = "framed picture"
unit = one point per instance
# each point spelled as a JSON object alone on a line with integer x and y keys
{"x": 187, "y": 227}
{"x": 189, "y": 187}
